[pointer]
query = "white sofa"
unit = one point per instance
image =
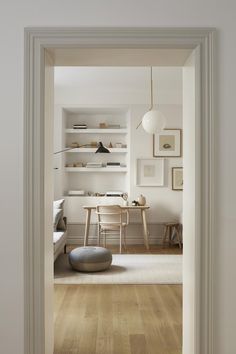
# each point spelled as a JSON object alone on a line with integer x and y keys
{"x": 60, "y": 228}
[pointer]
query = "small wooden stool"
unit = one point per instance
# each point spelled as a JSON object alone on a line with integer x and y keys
{"x": 169, "y": 229}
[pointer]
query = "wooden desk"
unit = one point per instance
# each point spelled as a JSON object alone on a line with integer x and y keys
{"x": 129, "y": 207}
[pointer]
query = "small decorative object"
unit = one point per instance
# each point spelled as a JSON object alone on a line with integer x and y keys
{"x": 102, "y": 125}
{"x": 69, "y": 165}
{"x": 93, "y": 144}
{"x": 177, "y": 178}
{"x": 118, "y": 145}
{"x": 150, "y": 172}
{"x": 110, "y": 145}
{"x": 74, "y": 145}
{"x": 167, "y": 143}
{"x": 135, "y": 203}
{"x": 141, "y": 200}
{"x": 125, "y": 197}
{"x": 78, "y": 164}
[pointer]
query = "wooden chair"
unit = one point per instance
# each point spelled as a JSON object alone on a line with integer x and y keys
{"x": 111, "y": 220}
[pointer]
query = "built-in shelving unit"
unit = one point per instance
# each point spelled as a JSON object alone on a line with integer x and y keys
{"x": 93, "y": 180}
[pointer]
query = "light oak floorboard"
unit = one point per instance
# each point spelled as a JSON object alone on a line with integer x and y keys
{"x": 118, "y": 319}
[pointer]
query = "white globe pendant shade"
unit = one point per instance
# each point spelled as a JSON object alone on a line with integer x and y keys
{"x": 153, "y": 121}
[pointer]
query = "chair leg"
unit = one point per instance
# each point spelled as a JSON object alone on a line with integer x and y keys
{"x": 120, "y": 238}
{"x": 105, "y": 239}
{"x": 98, "y": 236}
{"x": 170, "y": 230}
{"x": 124, "y": 230}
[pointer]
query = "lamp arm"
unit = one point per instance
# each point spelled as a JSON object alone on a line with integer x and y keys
{"x": 70, "y": 148}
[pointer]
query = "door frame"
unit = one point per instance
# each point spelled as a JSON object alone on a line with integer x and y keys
{"x": 37, "y": 42}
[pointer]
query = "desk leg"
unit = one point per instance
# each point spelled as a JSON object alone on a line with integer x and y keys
{"x": 86, "y": 233}
{"x": 145, "y": 229}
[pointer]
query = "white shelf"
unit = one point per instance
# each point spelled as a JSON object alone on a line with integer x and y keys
{"x": 96, "y": 169}
{"x": 97, "y": 131}
{"x": 92, "y": 150}
{"x": 117, "y": 131}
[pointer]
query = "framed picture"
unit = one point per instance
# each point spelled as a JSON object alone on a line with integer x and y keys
{"x": 177, "y": 178}
{"x": 167, "y": 143}
{"x": 150, "y": 172}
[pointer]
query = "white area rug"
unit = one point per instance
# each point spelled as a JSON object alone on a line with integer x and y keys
{"x": 125, "y": 269}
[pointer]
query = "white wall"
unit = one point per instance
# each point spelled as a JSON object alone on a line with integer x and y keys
{"x": 15, "y": 15}
{"x": 131, "y": 87}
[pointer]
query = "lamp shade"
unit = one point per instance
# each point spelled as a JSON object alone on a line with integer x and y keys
{"x": 153, "y": 121}
{"x": 101, "y": 149}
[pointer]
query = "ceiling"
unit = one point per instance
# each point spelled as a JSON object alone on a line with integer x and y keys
{"x": 119, "y": 56}
{"x": 134, "y": 78}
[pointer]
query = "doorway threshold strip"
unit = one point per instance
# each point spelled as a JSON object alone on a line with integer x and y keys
{"x": 125, "y": 269}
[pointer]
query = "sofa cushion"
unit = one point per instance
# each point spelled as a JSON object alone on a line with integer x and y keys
{"x": 59, "y": 204}
{"x": 57, "y": 215}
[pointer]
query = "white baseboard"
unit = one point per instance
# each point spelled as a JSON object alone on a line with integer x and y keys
{"x": 134, "y": 234}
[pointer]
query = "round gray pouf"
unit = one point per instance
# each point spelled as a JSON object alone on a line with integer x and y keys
{"x": 90, "y": 259}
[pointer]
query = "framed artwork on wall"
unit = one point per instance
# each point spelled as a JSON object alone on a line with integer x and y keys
{"x": 150, "y": 172}
{"x": 167, "y": 143}
{"x": 177, "y": 178}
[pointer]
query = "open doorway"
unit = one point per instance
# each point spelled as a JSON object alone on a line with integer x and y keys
{"x": 107, "y": 103}
{"x": 188, "y": 343}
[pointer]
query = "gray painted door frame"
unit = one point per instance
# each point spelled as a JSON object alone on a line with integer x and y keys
{"x": 38, "y": 291}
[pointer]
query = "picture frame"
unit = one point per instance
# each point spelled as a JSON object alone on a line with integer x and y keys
{"x": 177, "y": 178}
{"x": 167, "y": 143}
{"x": 150, "y": 172}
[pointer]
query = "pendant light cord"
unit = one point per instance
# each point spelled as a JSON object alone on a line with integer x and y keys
{"x": 151, "y": 92}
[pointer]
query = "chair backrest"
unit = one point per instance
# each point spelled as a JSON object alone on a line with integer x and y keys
{"x": 109, "y": 215}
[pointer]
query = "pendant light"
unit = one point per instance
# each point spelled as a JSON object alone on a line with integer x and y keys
{"x": 154, "y": 120}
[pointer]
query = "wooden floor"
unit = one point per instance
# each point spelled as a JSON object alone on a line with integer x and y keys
{"x": 119, "y": 319}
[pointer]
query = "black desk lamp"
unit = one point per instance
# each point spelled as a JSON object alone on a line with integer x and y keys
{"x": 101, "y": 148}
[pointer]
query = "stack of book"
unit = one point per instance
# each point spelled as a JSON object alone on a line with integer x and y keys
{"x": 114, "y": 194}
{"x": 76, "y": 192}
{"x": 113, "y": 164}
{"x": 94, "y": 164}
{"x": 113, "y": 126}
{"x": 80, "y": 126}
